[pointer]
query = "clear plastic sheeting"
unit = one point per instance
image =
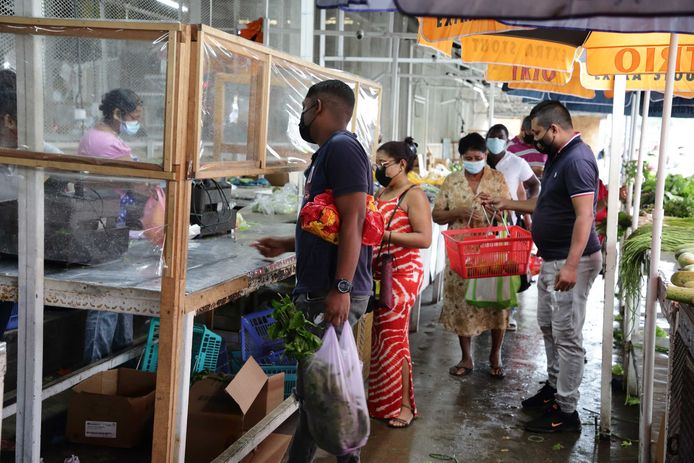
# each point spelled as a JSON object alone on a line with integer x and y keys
{"x": 96, "y": 97}
{"x": 289, "y": 84}
{"x": 368, "y": 117}
{"x": 231, "y": 94}
{"x": 101, "y": 230}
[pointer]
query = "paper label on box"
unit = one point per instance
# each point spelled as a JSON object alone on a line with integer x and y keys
{"x": 101, "y": 429}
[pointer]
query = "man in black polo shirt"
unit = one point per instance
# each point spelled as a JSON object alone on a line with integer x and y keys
{"x": 564, "y": 233}
{"x": 333, "y": 281}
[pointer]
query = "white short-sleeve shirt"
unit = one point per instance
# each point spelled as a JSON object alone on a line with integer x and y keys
{"x": 516, "y": 171}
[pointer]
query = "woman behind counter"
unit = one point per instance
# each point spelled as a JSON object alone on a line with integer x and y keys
{"x": 106, "y": 332}
{"x": 406, "y": 212}
{"x": 122, "y": 111}
{"x": 458, "y": 207}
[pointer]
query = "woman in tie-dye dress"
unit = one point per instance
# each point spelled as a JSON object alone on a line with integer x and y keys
{"x": 391, "y": 392}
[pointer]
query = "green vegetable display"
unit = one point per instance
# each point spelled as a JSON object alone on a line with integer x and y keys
{"x": 677, "y": 233}
{"x": 679, "y": 194}
{"x": 291, "y": 326}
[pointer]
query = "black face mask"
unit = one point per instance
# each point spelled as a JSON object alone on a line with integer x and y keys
{"x": 304, "y": 128}
{"x": 546, "y": 148}
{"x": 381, "y": 176}
{"x": 528, "y": 139}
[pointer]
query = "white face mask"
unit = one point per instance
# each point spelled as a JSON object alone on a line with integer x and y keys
{"x": 129, "y": 127}
{"x": 474, "y": 167}
{"x": 496, "y": 145}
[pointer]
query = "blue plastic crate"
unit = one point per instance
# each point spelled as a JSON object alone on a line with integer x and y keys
{"x": 256, "y": 343}
{"x": 206, "y": 346}
{"x": 289, "y": 376}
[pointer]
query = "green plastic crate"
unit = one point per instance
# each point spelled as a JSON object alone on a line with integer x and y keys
{"x": 206, "y": 346}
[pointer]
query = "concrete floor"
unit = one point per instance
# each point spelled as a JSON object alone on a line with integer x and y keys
{"x": 475, "y": 418}
{"x": 479, "y": 419}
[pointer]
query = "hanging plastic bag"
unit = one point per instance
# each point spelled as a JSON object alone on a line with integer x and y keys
{"x": 334, "y": 399}
{"x": 320, "y": 217}
{"x": 493, "y": 293}
{"x": 153, "y": 217}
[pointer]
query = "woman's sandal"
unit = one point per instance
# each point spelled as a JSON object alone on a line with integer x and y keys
{"x": 460, "y": 370}
{"x": 497, "y": 372}
{"x": 399, "y": 423}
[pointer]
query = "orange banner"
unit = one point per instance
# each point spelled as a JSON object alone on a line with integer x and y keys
{"x": 684, "y": 82}
{"x": 500, "y": 49}
{"x": 442, "y": 46}
{"x": 573, "y": 88}
{"x": 503, "y": 73}
{"x": 436, "y": 29}
{"x": 637, "y": 60}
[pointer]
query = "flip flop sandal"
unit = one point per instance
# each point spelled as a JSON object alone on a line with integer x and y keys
{"x": 460, "y": 371}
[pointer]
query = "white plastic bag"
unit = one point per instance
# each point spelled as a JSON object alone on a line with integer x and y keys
{"x": 334, "y": 399}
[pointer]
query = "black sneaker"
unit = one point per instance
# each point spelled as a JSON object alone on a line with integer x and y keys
{"x": 555, "y": 420}
{"x": 542, "y": 399}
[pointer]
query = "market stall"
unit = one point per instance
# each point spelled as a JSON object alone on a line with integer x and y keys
{"x": 208, "y": 98}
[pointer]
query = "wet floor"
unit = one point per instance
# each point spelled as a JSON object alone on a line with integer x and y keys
{"x": 478, "y": 418}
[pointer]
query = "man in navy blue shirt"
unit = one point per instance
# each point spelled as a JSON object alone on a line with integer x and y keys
{"x": 333, "y": 281}
{"x": 564, "y": 233}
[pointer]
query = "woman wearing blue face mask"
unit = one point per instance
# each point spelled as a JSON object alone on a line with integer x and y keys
{"x": 106, "y": 332}
{"x": 457, "y": 206}
{"x": 122, "y": 111}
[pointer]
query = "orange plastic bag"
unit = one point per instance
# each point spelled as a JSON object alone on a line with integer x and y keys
{"x": 320, "y": 217}
{"x": 154, "y": 216}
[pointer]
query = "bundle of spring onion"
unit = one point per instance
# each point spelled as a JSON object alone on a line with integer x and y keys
{"x": 677, "y": 235}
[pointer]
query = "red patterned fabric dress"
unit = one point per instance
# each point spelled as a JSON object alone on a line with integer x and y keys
{"x": 390, "y": 344}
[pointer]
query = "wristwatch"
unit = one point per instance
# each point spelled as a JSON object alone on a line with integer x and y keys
{"x": 343, "y": 286}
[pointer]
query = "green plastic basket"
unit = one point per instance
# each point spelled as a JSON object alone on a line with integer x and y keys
{"x": 206, "y": 346}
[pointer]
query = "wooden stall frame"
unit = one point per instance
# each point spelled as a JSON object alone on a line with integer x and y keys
{"x": 181, "y": 163}
{"x": 173, "y": 282}
{"x": 264, "y": 55}
{"x": 116, "y": 30}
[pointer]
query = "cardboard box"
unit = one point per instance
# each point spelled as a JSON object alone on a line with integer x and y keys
{"x": 271, "y": 450}
{"x": 219, "y": 412}
{"x": 113, "y": 408}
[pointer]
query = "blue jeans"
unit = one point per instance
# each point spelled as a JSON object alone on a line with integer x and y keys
{"x": 303, "y": 446}
{"x": 106, "y": 332}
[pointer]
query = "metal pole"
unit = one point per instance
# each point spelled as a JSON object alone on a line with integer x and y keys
{"x": 652, "y": 291}
{"x": 321, "y": 39}
{"x": 427, "y": 104}
{"x": 616, "y": 148}
{"x": 491, "y": 105}
{"x": 635, "y": 102}
{"x": 410, "y": 69}
{"x": 341, "y": 29}
{"x": 307, "y": 21}
{"x": 266, "y": 24}
{"x": 639, "y": 164}
{"x": 632, "y": 315}
{"x": 395, "y": 90}
{"x": 387, "y": 59}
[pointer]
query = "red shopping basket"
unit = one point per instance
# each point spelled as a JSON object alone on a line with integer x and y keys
{"x": 488, "y": 252}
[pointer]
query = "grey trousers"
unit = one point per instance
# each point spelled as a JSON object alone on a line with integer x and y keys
{"x": 561, "y": 315}
{"x": 303, "y": 447}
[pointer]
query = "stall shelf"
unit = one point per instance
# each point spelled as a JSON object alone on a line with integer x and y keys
{"x": 213, "y": 95}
